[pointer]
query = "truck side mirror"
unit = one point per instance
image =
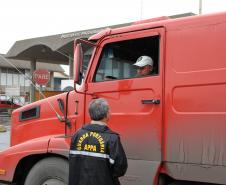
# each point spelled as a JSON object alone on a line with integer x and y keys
{"x": 78, "y": 59}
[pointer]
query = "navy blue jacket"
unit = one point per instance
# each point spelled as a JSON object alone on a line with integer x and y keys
{"x": 96, "y": 157}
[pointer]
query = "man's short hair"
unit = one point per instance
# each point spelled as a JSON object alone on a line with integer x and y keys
{"x": 98, "y": 109}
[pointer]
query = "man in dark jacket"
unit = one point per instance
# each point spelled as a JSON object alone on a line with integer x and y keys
{"x": 96, "y": 154}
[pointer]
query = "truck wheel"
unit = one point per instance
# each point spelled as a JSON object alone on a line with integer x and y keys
{"x": 49, "y": 171}
{"x": 162, "y": 181}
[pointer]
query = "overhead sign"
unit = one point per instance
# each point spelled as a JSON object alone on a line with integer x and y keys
{"x": 41, "y": 76}
{"x": 81, "y": 33}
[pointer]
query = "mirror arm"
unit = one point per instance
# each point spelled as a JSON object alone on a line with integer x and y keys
{"x": 59, "y": 117}
{"x": 85, "y": 41}
{"x": 67, "y": 122}
{"x": 61, "y": 105}
{"x": 65, "y": 119}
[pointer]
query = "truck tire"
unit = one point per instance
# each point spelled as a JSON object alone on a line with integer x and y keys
{"x": 162, "y": 180}
{"x": 49, "y": 171}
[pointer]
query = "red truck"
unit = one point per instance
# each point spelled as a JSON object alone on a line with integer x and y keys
{"x": 8, "y": 104}
{"x": 172, "y": 123}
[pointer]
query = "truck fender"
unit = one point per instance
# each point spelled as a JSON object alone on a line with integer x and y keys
{"x": 60, "y": 145}
{"x": 10, "y": 157}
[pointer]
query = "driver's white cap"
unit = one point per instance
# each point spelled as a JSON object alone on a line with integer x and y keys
{"x": 143, "y": 61}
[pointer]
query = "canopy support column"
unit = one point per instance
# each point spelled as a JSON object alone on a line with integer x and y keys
{"x": 32, "y": 90}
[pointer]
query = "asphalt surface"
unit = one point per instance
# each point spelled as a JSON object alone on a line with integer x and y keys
{"x": 5, "y": 139}
{"x": 4, "y": 136}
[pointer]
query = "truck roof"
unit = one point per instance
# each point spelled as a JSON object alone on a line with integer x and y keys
{"x": 167, "y": 22}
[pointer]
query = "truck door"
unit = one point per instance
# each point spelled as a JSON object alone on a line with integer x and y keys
{"x": 135, "y": 101}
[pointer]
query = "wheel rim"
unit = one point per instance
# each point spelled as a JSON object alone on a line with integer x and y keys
{"x": 53, "y": 182}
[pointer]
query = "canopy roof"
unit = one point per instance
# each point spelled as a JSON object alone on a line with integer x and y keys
{"x": 24, "y": 64}
{"x": 55, "y": 48}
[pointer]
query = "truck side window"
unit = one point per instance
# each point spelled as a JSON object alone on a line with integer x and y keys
{"x": 86, "y": 58}
{"x": 117, "y": 59}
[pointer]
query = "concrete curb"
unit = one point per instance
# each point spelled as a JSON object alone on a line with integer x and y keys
{"x": 2, "y": 128}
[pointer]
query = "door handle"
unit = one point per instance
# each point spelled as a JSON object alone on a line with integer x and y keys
{"x": 76, "y": 107}
{"x": 153, "y": 101}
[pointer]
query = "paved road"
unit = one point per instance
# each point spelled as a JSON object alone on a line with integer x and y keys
{"x": 4, "y": 136}
{"x": 5, "y": 139}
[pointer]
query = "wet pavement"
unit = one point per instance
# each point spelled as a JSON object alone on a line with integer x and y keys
{"x": 4, "y": 136}
{"x": 5, "y": 139}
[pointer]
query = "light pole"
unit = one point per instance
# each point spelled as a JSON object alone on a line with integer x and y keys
{"x": 200, "y": 7}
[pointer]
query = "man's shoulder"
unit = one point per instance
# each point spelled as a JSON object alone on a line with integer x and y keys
{"x": 112, "y": 132}
{"x": 100, "y": 129}
{"x": 79, "y": 132}
{"x": 95, "y": 128}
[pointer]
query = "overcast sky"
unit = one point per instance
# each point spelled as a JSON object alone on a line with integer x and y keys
{"x": 23, "y": 19}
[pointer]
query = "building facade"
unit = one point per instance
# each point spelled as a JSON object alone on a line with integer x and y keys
{"x": 16, "y": 80}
